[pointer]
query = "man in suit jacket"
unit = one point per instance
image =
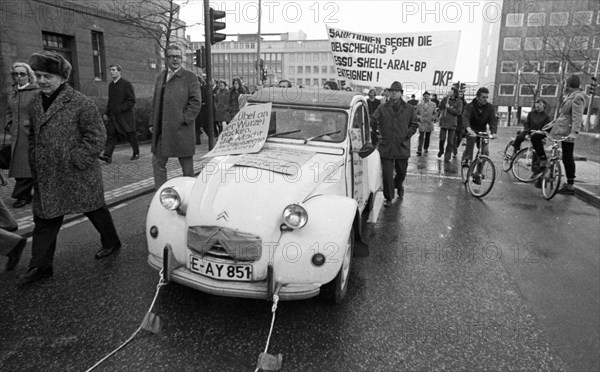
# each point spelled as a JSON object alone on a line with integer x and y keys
{"x": 119, "y": 117}
{"x": 176, "y": 103}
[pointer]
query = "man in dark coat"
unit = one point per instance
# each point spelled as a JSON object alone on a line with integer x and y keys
{"x": 476, "y": 117}
{"x": 176, "y": 103}
{"x": 119, "y": 118}
{"x": 65, "y": 140}
{"x": 396, "y": 122}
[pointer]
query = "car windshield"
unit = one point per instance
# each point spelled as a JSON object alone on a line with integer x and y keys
{"x": 306, "y": 123}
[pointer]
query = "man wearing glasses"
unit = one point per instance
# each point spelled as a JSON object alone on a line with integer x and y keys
{"x": 396, "y": 122}
{"x": 176, "y": 103}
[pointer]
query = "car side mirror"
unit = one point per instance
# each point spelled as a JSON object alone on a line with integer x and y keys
{"x": 366, "y": 150}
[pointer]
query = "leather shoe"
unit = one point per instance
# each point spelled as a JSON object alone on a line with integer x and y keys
{"x": 387, "y": 203}
{"x": 401, "y": 192}
{"x": 34, "y": 274}
{"x": 105, "y": 252}
{"x": 135, "y": 157}
{"x": 105, "y": 158}
{"x": 566, "y": 190}
{"x": 21, "y": 203}
{"x": 14, "y": 256}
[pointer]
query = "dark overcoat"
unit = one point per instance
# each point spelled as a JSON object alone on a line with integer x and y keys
{"x": 180, "y": 107}
{"x": 221, "y": 100}
{"x": 395, "y": 128}
{"x": 17, "y": 116}
{"x": 64, "y": 144}
{"x": 121, "y": 99}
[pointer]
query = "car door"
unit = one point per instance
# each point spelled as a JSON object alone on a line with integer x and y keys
{"x": 359, "y": 134}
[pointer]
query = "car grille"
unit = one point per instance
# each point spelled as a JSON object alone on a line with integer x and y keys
{"x": 224, "y": 243}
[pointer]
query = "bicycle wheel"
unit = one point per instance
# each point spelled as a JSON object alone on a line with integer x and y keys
{"x": 481, "y": 177}
{"x": 551, "y": 179}
{"x": 521, "y": 165}
{"x": 507, "y": 156}
{"x": 464, "y": 170}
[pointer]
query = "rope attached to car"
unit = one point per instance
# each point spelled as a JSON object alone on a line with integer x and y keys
{"x": 151, "y": 323}
{"x": 268, "y": 362}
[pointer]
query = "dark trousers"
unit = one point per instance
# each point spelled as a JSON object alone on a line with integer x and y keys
{"x": 537, "y": 141}
{"x": 391, "y": 182}
{"x": 468, "y": 153}
{"x": 112, "y": 138}
{"x": 423, "y": 140}
{"x": 23, "y": 189}
{"x": 159, "y": 165}
{"x": 449, "y": 135}
{"x": 519, "y": 140}
{"x": 46, "y": 231}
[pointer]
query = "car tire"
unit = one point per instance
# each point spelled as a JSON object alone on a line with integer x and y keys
{"x": 335, "y": 291}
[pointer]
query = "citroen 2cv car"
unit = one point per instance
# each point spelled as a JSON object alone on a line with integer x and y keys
{"x": 285, "y": 220}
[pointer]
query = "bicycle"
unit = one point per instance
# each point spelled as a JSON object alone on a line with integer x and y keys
{"x": 552, "y": 174}
{"x": 508, "y": 155}
{"x": 480, "y": 175}
{"x": 522, "y": 164}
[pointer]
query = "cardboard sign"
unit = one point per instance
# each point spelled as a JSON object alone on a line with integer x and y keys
{"x": 421, "y": 58}
{"x": 245, "y": 133}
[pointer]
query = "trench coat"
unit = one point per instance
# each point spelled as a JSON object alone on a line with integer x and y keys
{"x": 426, "y": 113}
{"x": 221, "y": 101}
{"x": 17, "y": 115}
{"x": 570, "y": 119}
{"x": 64, "y": 144}
{"x": 395, "y": 129}
{"x": 121, "y": 99}
{"x": 180, "y": 106}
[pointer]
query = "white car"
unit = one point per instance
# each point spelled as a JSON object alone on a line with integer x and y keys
{"x": 285, "y": 220}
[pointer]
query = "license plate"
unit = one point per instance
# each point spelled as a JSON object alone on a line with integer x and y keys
{"x": 222, "y": 271}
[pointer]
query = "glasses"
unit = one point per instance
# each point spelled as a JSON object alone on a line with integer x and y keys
{"x": 174, "y": 57}
{"x": 19, "y": 74}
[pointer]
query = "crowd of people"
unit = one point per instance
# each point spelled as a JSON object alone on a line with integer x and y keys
{"x": 58, "y": 135}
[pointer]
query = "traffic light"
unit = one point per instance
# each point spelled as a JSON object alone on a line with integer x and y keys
{"x": 216, "y": 37}
{"x": 199, "y": 58}
{"x": 593, "y": 85}
{"x": 460, "y": 87}
{"x": 264, "y": 74}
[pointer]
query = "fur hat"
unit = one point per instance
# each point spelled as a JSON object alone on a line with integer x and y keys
{"x": 426, "y": 93}
{"x": 396, "y": 86}
{"x": 50, "y": 62}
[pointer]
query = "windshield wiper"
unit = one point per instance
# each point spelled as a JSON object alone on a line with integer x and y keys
{"x": 321, "y": 135}
{"x": 282, "y": 133}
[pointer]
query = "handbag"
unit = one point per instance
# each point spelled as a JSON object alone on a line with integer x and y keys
{"x": 5, "y": 152}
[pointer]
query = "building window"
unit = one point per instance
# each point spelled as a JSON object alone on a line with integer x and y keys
{"x": 508, "y": 67}
{"x": 307, "y": 69}
{"x": 323, "y": 82}
{"x": 506, "y": 90}
{"x": 552, "y": 67}
{"x": 315, "y": 69}
{"x": 300, "y": 69}
{"x": 316, "y": 82}
{"x": 62, "y": 44}
{"x": 512, "y": 43}
{"x": 530, "y": 67}
{"x": 324, "y": 57}
{"x": 291, "y": 70}
{"x": 596, "y": 42}
{"x": 514, "y": 20}
{"x": 579, "y": 43}
{"x": 292, "y": 57}
{"x": 332, "y": 69}
{"x": 592, "y": 67}
{"x": 307, "y": 57}
{"x": 299, "y": 82}
{"x": 549, "y": 90}
{"x": 559, "y": 19}
{"x": 307, "y": 82}
{"x": 575, "y": 67}
{"x": 300, "y": 57}
{"x": 533, "y": 43}
{"x": 526, "y": 90}
{"x": 536, "y": 19}
{"x": 582, "y": 18}
{"x": 323, "y": 69}
{"x": 557, "y": 44}
{"x": 152, "y": 63}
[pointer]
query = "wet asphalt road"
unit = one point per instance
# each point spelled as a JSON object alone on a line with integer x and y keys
{"x": 509, "y": 282}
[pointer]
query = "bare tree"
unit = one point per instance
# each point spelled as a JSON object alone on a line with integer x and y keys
{"x": 549, "y": 53}
{"x": 156, "y": 19}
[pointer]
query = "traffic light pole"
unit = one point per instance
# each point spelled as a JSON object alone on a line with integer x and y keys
{"x": 210, "y": 114}
{"x": 258, "y": 65}
{"x": 588, "y": 123}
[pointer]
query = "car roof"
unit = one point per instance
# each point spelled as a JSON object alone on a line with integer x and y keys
{"x": 306, "y": 97}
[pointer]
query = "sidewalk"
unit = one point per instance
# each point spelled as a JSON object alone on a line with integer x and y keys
{"x": 123, "y": 179}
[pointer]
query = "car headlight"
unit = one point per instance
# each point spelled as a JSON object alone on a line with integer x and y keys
{"x": 295, "y": 216}
{"x": 170, "y": 198}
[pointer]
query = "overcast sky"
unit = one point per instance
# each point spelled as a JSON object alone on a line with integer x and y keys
{"x": 390, "y": 16}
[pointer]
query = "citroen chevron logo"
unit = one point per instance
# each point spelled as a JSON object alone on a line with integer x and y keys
{"x": 223, "y": 215}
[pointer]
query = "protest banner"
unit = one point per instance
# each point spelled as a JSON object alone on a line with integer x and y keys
{"x": 281, "y": 160}
{"x": 245, "y": 133}
{"x": 422, "y": 58}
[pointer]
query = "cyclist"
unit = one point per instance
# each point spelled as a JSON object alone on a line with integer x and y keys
{"x": 536, "y": 120}
{"x": 567, "y": 124}
{"x": 477, "y": 115}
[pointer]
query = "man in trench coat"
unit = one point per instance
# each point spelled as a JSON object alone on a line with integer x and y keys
{"x": 120, "y": 121}
{"x": 176, "y": 103}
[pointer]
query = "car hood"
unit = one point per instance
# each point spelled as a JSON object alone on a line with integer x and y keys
{"x": 251, "y": 199}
